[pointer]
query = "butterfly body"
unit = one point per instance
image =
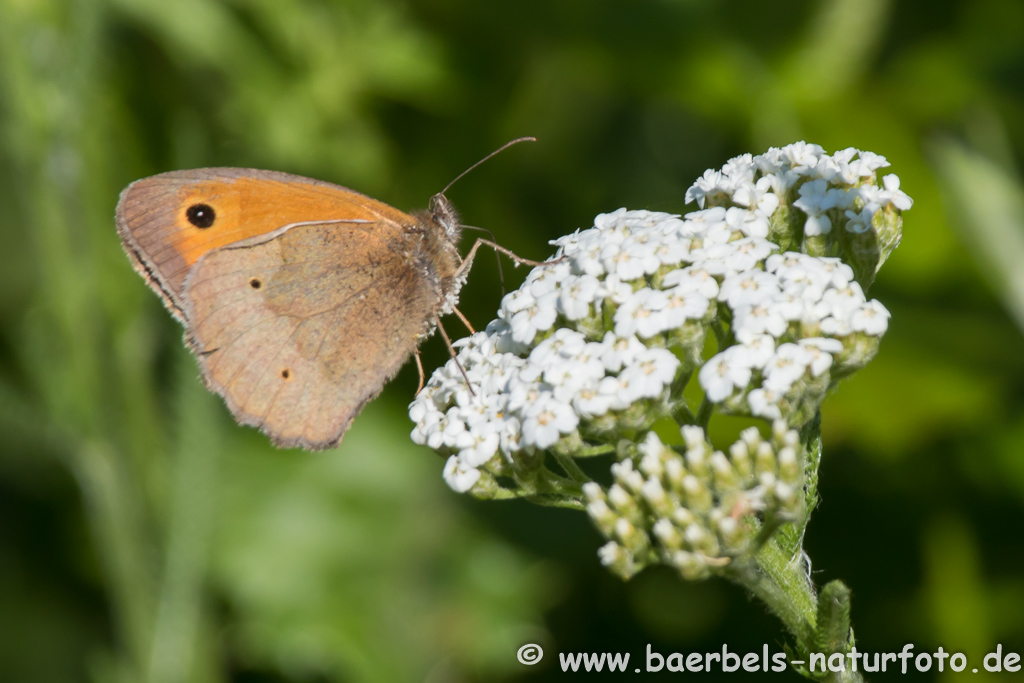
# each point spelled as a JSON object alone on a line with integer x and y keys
{"x": 299, "y": 298}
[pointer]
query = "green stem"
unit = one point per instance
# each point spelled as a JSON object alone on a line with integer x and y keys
{"x": 547, "y": 500}
{"x": 543, "y": 487}
{"x": 781, "y": 583}
{"x": 555, "y": 502}
{"x": 571, "y": 468}
{"x": 810, "y": 439}
{"x": 704, "y": 413}
{"x": 591, "y": 451}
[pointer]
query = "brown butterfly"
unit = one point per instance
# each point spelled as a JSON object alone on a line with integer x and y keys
{"x": 299, "y": 298}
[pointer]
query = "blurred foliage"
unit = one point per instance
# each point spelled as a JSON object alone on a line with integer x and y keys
{"x": 144, "y": 536}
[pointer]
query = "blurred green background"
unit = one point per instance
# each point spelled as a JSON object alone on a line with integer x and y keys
{"x": 146, "y": 537}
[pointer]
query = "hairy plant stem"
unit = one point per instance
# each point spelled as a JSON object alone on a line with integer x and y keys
{"x": 782, "y": 584}
{"x": 779, "y": 577}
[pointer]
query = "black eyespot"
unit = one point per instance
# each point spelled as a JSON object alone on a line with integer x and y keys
{"x": 255, "y": 283}
{"x": 201, "y": 215}
{"x": 286, "y": 373}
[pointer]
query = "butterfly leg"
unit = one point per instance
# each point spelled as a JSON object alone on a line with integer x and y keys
{"x": 451, "y": 350}
{"x": 464, "y": 320}
{"x": 419, "y": 366}
{"x": 467, "y": 262}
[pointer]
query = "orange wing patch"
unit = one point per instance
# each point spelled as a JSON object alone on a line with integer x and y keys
{"x": 169, "y": 221}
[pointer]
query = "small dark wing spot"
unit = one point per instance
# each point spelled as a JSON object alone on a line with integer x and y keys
{"x": 201, "y": 215}
{"x": 255, "y": 283}
{"x": 286, "y": 373}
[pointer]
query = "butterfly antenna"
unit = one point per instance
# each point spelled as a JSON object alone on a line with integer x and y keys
{"x": 500, "y": 149}
{"x": 497, "y": 256}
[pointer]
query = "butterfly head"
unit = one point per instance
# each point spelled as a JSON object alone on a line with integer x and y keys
{"x": 446, "y": 216}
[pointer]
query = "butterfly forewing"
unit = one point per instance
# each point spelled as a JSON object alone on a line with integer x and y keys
{"x": 167, "y": 222}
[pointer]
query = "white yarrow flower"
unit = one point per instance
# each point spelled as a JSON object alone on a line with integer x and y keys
{"x": 459, "y": 476}
{"x": 724, "y": 374}
{"x": 546, "y": 420}
{"x": 596, "y": 347}
{"x": 871, "y": 318}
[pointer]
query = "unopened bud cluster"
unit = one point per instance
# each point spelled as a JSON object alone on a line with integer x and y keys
{"x": 701, "y": 509}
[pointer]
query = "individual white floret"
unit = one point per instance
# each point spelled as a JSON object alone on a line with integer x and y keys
{"x": 648, "y": 375}
{"x": 564, "y": 343}
{"x": 576, "y": 294}
{"x": 860, "y": 221}
{"x": 590, "y": 355}
{"x": 835, "y": 326}
{"x": 455, "y": 434}
{"x": 898, "y": 198}
{"x": 459, "y": 476}
{"x": 627, "y": 260}
{"x": 589, "y": 401}
{"x": 871, "y": 318}
{"x": 615, "y": 290}
{"x": 706, "y": 222}
{"x": 751, "y": 222}
{"x": 840, "y": 274}
{"x": 821, "y": 350}
{"x": 692, "y": 279}
{"x": 762, "y": 318}
{"x": 641, "y": 314}
{"x": 756, "y": 349}
{"x": 620, "y": 351}
{"x": 788, "y": 365}
{"x": 510, "y": 435}
{"x": 740, "y": 169}
{"x": 485, "y": 441}
{"x": 546, "y": 420}
{"x": 567, "y": 378}
{"x": 710, "y": 184}
{"x": 672, "y": 250}
{"x": 841, "y": 303}
{"x": 724, "y": 374}
{"x": 764, "y": 403}
{"x": 756, "y": 195}
{"x": 522, "y": 393}
{"x": 748, "y": 288}
{"x": 427, "y": 430}
{"x": 749, "y": 253}
{"x": 538, "y": 317}
{"x": 516, "y": 301}
{"x": 585, "y": 258}
{"x": 545, "y": 279}
{"x": 801, "y": 155}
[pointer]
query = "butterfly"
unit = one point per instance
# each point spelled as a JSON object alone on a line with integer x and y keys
{"x": 300, "y": 298}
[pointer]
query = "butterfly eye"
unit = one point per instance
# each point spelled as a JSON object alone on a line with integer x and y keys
{"x": 201, "y": 215}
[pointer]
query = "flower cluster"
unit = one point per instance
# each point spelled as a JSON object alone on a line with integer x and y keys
{"x": 699, "y": 510}
{"x": 796, "y": 195}
{"x": 598, "y": 344}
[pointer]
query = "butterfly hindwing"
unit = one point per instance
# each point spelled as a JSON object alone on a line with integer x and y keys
{"x": 297, "y": 332}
